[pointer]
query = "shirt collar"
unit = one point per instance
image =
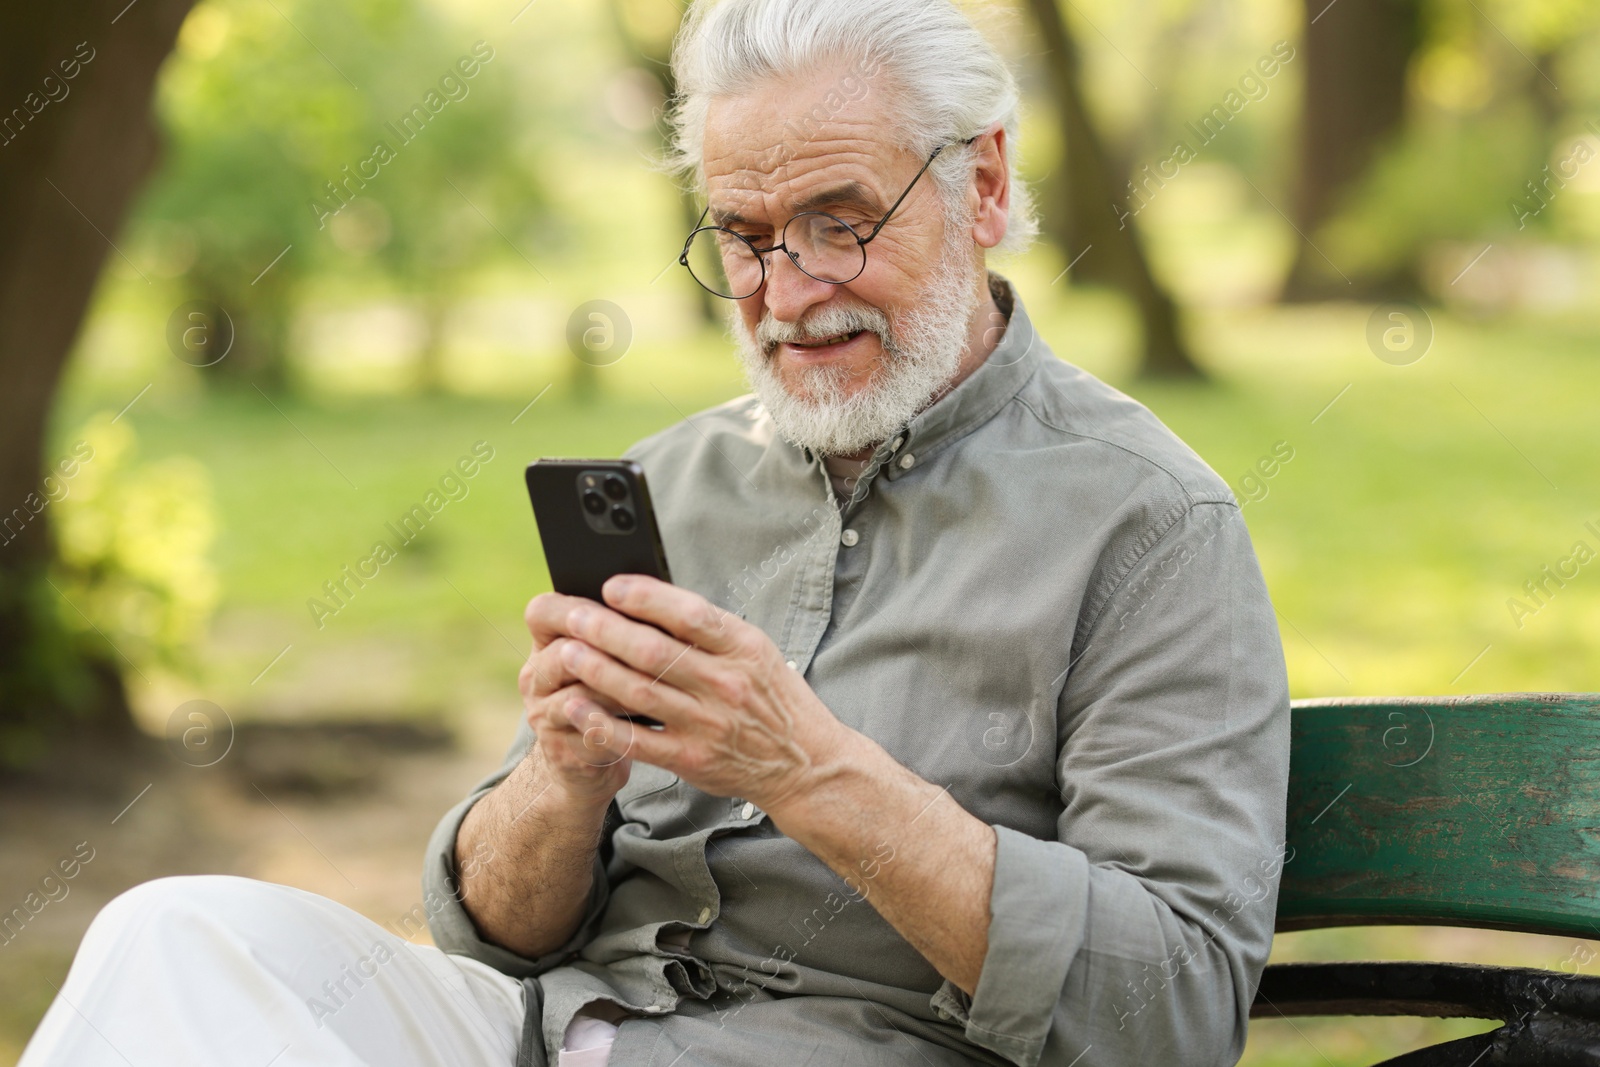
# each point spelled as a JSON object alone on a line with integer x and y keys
{"x": 971, "y": 403}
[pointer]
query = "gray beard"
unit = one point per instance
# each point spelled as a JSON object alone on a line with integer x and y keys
{"x": 922, "y": 353}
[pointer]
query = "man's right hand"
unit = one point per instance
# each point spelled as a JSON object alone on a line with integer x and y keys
{"x": 572, "y": 760}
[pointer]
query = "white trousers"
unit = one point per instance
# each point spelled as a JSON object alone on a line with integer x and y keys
{"x": 210, "y": 970}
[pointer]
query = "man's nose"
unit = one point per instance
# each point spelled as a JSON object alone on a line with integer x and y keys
{"x": 789, "y": 291}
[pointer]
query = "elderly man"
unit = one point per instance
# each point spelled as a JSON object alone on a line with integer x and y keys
{"x": 974, "y": 736}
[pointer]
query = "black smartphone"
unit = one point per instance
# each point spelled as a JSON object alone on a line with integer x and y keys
{"x": 595, "y": 520}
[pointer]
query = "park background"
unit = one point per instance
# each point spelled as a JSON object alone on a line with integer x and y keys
{"x": 1367, "y": 296}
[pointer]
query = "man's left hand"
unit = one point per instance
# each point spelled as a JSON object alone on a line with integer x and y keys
{"x": 738, "y": 721}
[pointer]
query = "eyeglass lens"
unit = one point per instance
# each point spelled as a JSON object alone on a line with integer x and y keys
{"x": 823, "y": 246}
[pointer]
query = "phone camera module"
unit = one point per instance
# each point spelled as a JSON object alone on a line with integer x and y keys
{"x": 606, "y": 499}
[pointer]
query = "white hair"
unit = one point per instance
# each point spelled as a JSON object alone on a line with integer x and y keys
{"x": 948, "y": 82}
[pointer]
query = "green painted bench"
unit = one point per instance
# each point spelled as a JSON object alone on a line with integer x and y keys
{"x": 1476, "y": 811}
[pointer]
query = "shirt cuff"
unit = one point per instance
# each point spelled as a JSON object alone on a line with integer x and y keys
{"x": 1038, "y": 906}
{"x": 453, "y": 929}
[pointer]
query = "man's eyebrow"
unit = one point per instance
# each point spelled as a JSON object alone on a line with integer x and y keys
{"x": 724, "y": 218}
{"x": 843, "y": 194}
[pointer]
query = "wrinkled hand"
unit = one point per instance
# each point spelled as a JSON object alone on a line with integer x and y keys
{"x": 736, "y": 719}
{"x": 587, "y": 772}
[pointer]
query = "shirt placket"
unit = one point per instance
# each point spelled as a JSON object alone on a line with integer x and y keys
{"x": 812, "y": 598}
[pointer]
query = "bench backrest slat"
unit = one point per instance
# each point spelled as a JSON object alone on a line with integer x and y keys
{"x": 1458, "y": 811}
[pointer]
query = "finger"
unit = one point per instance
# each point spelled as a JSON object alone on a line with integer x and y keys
{"x": 660, "y": 657}
{"x": 552, "y": 712}
{"x": 630, "y": 689}
{"x": 544, "y": 672}
{"x": 546, "y": 616}
{"x": 577, "y": 720}
{"x": 618, "y": 737}
{"x": 592, "y": 734}
{"x": 683, "y": 613}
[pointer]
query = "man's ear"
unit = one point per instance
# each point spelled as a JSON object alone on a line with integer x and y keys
{"x": 990, "y": 193}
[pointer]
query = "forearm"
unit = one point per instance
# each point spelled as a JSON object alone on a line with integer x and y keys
{"x": 525, "y": 853}
{"x": 907, "y": 847}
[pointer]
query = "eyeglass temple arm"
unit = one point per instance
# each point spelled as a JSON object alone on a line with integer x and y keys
{"x": 683, "y": 256}
{"x": 896, "y": 205}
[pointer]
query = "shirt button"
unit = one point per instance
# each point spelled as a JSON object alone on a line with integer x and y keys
{"x": 792, "y": 665}
{"x": 654, "y": 1007}
{"x": 906, "y": 461}
{"x": 705, "y": 913}
{"x": 747, "y": 811}
{"x": 898, "y": 441}
{"x": 849, "y": 537}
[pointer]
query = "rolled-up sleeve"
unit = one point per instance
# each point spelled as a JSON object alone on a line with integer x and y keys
{"x": 453, "y": 929}
{"x": 1140, "y": 933}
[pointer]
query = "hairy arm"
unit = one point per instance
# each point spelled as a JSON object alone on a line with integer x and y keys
{"x": 906, "y": 846}
{"x": 526, "y": 853}
{"x": 517, "y": 869}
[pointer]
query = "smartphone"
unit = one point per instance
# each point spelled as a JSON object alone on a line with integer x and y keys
{"x": 595, "y": 520}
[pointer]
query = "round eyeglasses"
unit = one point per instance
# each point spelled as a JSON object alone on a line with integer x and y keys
{"x": 824, "y": 246}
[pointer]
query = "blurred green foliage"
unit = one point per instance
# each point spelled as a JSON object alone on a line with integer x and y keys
{"x": 133, "y": 543}
{"x": 405, "y": 164}
{"x": 132, "y": 571}
{"x": 522, "y": 171}
{"x": 1498, "y": 92}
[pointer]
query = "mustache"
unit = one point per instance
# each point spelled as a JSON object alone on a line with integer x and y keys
{"x": 829, "y": 322}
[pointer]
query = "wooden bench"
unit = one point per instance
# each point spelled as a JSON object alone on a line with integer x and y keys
{"x": 1476, "y": 811}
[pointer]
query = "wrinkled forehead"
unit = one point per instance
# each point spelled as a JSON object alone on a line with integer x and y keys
{"x": 814, "y": 141}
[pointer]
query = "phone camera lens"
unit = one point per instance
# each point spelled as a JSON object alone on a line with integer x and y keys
{"x": 622, "y": 518}
{"x": 593, "y": 502}
{"x": 616, "y": 488}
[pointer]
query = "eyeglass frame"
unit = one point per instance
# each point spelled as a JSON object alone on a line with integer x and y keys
{"x": 761, "y": 253}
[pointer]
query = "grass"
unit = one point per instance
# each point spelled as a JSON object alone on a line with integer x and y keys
{"x": 24, "y": 998}
{"x": 1417, "y": 502}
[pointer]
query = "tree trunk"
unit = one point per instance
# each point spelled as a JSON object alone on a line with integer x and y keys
{"x": 1086, "y": 221}
{"x": 1357, "y": 53}
{"x": 261, "y": 324}
{"x": 72, "y": 155}
{"x": 432, "y": 373}
{"x": 261, "y": 317}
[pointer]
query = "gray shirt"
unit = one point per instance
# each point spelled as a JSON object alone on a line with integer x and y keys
{"x": 1037, "y": 597}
